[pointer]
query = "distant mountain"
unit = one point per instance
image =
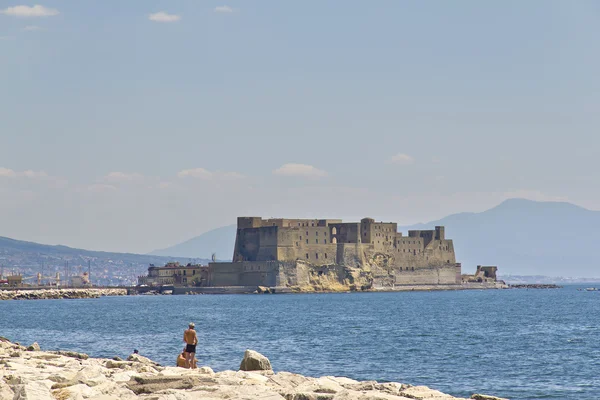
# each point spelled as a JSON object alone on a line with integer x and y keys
{"x": 219, "y": 241}
{"x": 521, "y": 237}
{"x": 524, "y": 237}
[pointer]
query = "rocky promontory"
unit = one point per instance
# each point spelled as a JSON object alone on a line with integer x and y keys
{"x": 39, "y": 294}
{"x": 29, "y": 373}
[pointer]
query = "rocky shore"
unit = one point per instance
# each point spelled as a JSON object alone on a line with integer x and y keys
{"x": 39, "y": 294}
{"x": 29, "y": 373}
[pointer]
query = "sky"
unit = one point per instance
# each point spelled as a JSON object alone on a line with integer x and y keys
{"x": 135, "y": 125}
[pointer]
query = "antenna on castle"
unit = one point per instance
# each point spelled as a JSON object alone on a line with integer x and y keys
{"x": 214, "y": 257}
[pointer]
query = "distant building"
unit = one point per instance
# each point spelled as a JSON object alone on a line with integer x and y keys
{"x": 484, "y": 273}
{"x": 175, "y": 274}
{"x": 80, "y": 280}
{"x": 15, "y": 280}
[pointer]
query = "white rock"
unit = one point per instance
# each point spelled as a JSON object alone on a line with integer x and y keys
{"x": 38, "y": 390}
{"x": 254, "y": 361}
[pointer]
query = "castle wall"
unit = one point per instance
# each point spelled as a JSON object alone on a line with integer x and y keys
{"x": 442, "y": 275}
{"x": 258, "y": 273}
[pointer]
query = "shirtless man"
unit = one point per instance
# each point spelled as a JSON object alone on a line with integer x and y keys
{"x": 191, "y": 340}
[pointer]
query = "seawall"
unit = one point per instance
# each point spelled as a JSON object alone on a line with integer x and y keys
{"x": 39, "y": 294}
{"x": 29, "y": 373}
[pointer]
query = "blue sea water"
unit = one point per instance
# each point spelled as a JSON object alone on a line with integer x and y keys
{"x": 520, "y": 344}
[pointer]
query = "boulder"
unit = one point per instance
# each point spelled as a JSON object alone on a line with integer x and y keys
{"x": 486, "y": 397}
{"x": 117, "y": 364}
{"x": 254, "y": 361}
{"x": 36, "y": 390}
{"x": 150, "y": 384}
{"x": 34, "y": 347}
{"x": 142, "y": 359}
{"x": 5, "y": 391}
{"x": 423, "y": 392}
{"x": 80, "y": 356}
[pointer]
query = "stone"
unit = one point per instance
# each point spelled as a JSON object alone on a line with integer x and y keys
{"x": 486, "y": 397}
{"x": 149, "y": 384}
{"x": 423, "y": 392}
{"x": 34, "y": 347}
{"x": 142, "y": 359}
{"x": 5, "y": 391}
{"x": 36, "y": 390}
{"x": 117, "y": 364}
{"x": 254, "y": 361}
{"x": 80, "y": 356}
{"x": 206, "y": 370}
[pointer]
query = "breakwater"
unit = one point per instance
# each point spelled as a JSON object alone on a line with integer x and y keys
{"x": 535, "y": 286}
{"x": 29, "y": 373}
{"x": 39, "y": 294}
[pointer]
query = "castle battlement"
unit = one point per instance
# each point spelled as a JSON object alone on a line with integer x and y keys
{"x": 323, "y": 241}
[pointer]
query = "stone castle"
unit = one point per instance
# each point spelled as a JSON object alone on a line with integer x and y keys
{"x": 330, "y": 254}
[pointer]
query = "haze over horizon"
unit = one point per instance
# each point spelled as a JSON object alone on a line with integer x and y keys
{"x": 131, "y": 126}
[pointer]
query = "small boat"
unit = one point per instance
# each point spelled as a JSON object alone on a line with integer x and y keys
{"x": 591, "y": 289}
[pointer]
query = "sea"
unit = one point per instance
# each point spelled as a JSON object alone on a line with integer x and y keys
{"x": 518, "y": 343}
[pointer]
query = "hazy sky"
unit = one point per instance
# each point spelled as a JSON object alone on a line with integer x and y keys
{"x": 133, "y": 125}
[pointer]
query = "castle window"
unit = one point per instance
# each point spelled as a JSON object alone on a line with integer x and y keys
{"x": 317, "y": 256}
{"x": 325, "y": 255}
{"x": 306, "y": 233}
{"x": 297, "y": 244}
{"x": 325, "y": 234}
{"x": 300, "y": 237}
{"x": 313, "y": 224}
{"x": 317, "y": 233}
{"x": 317, "y": 241}
{"x": 413, "y": 268}
{"x": 307, "y": 256}
{"x": 324, "y": 241}
{"x": 306, "y": 241}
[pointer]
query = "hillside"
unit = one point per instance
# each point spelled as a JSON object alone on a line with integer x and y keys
{"x": 108, "y": 268}
{"x": 522, "y": 237}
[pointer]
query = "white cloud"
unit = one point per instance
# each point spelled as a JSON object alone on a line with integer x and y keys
{"x": 123, "y": 177}
{"x": 225, "y": 9}
{"x": 101, "y": 188}
{"x": 303, "y": 170}
{"x": 27, "y": 11}
{"x": 162, "y": 16}
{"x": 401, "y": 158}
{"x": 204, "y": 174}
{"x": 34, "y": 174}
{"x": 7, "y": 173}
{"x": 33, "y": 28}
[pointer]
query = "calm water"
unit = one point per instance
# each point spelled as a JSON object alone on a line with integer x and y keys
{"x": 521, "y": 344}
